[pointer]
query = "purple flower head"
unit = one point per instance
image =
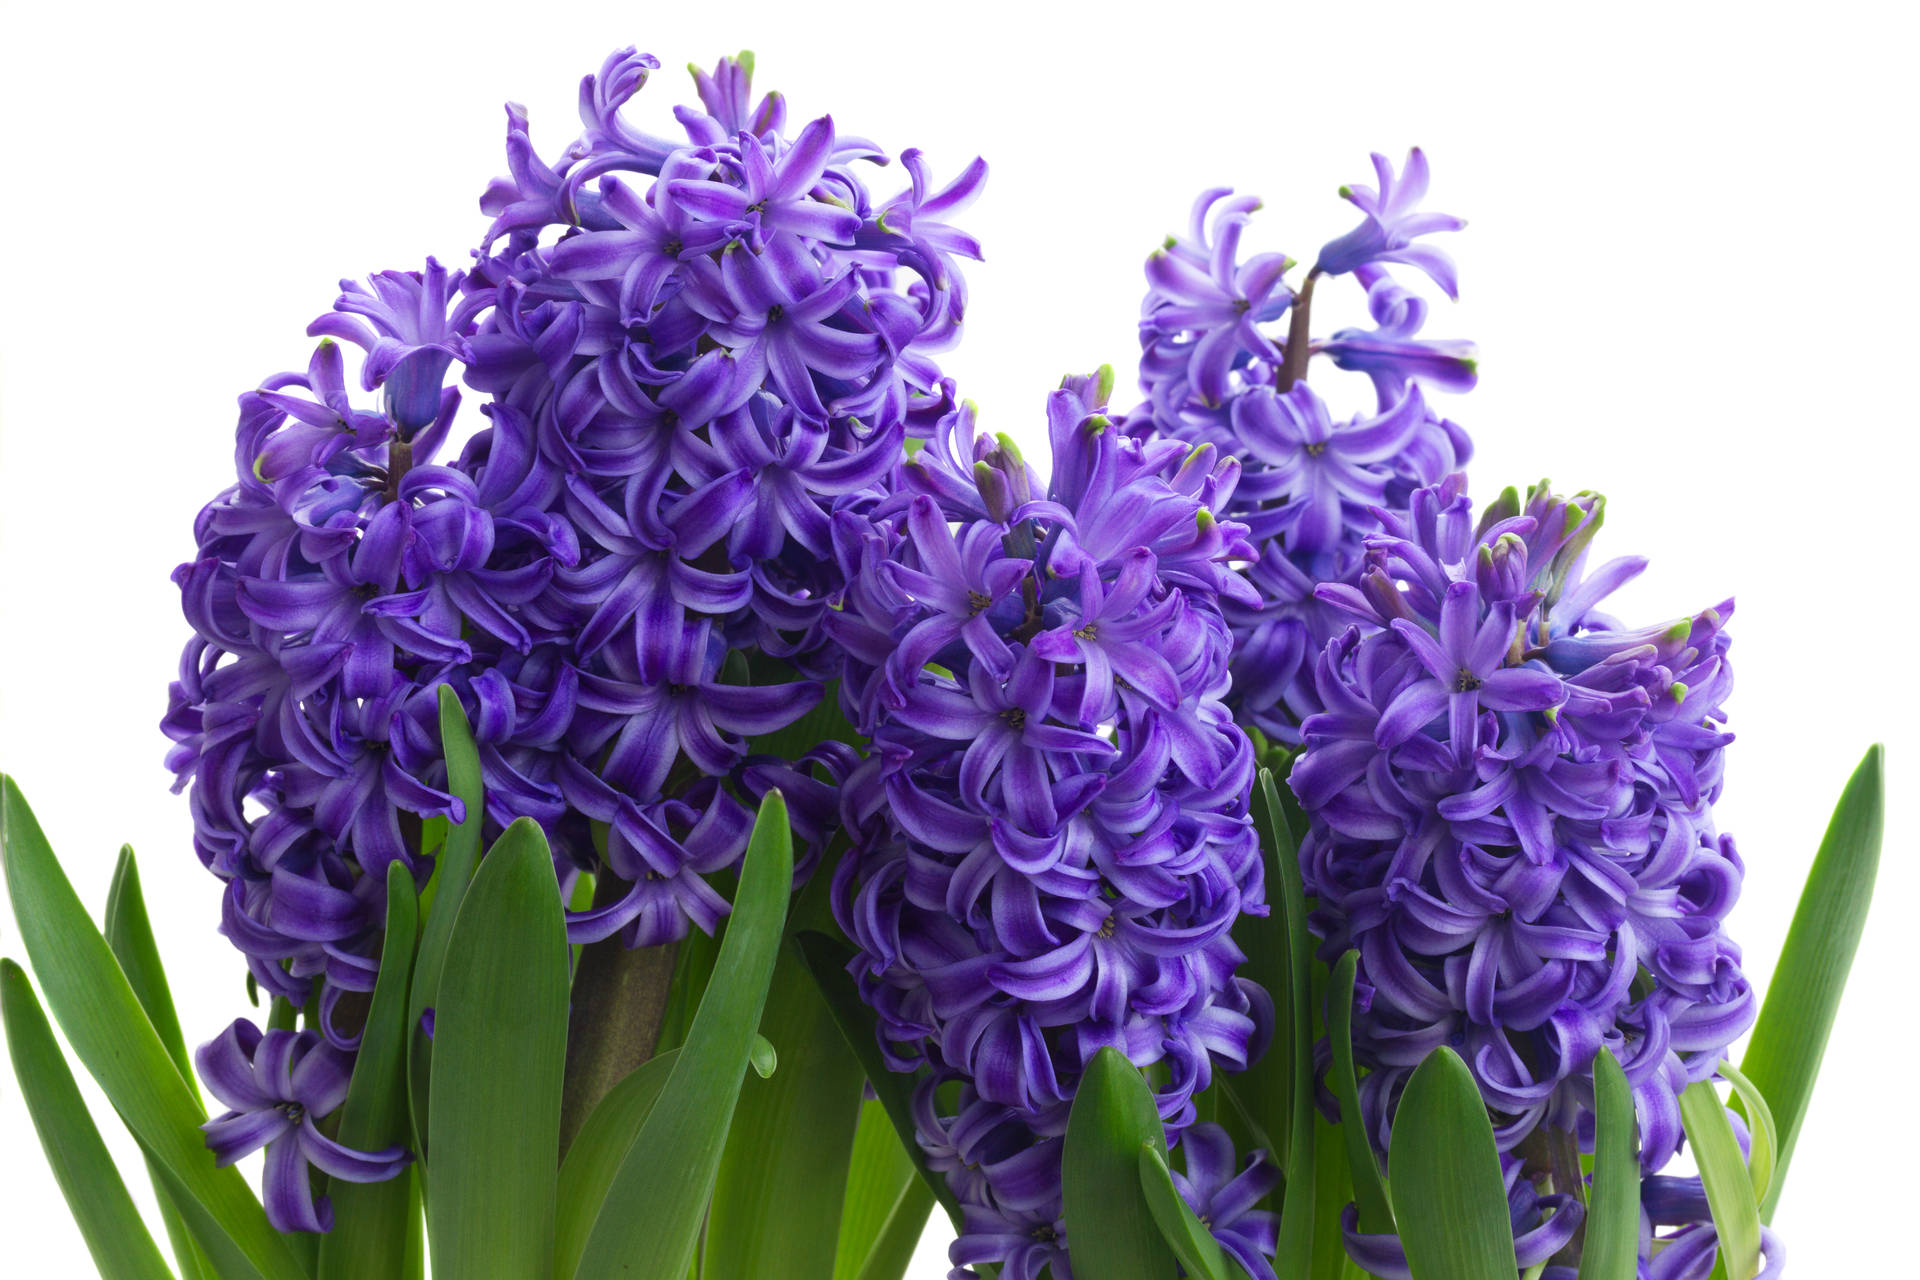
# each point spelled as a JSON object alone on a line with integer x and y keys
{"x": 1226, "y": 347}
{"x": 278, "y": 1086}
{"x": 1051, "y": 841}
{"x": 1393, "y": 223}
{"x": 690, "y": 355}
{"x": 1510, "y": 802}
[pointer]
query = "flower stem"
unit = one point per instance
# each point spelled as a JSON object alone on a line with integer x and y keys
{"x": 1299, "y": 340}
{"x": 619, "y": 1000}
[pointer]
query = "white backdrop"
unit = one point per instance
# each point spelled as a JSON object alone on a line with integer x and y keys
{"x": 1690, "y": 270}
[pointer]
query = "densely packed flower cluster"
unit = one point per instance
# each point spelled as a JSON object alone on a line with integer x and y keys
{"x": 690, "y": 353}
{"x": 1051, "y": 839}
{"x": 1214, "y": 371}
{"x": 1510, "y": 798}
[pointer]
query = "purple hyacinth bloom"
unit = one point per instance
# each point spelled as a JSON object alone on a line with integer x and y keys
{"x": 1393, "y": 223}
{"x": 1051, "y": 841}
{"x": 278, "y": 1086}
{"x": 1217, "y": 369}
{"x": 690, "y": 352}
{"x": 1510, "y": 808}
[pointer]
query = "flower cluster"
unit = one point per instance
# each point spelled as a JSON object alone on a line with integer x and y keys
{"x": 1214, "y": 371}
{"x": 1050, "y": 834}
{"x": 690, "y": 353}
{"x": 1510, "y": 802}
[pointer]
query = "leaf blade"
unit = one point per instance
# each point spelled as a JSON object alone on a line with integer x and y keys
{"x": 1723, "y": 1173}
{"x": 1790, "y": 1036}
{"x": 649, "y": 1225}
{"x": 1612, "y": 1243}
{"x": 1451, "y": 1206}
{"x": 1369, "y": 1188}
{"x": 1111, "y": 1231}
{"x": 1191, "y": 1242}
{"x": 595, "y": 1156}
{"x": 371, "y": 1219}
{"x": 490, "y": 1189}
{"x": 121, "y": 1246}
{"x": 110, "y": 1033}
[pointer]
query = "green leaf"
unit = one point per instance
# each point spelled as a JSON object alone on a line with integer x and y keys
{"x": 1110, "y": 1228}
{"x": 1730, "y": 1198}
{"x": 596, "y": 1153}
{"x": 129, "y": 934}
{"x": 1790, "y": 1037}
{"x": 763, "y": 1057}
{"x": 371, "y": 1219}
{"x": 452, "y": 872}
{"x": 1612, "y": 1245}
{"x": 122, "y": 1248}
{"x": 500, "y": 1043}
{"x": 781, "y": 1189}
{"x": 1763, "y": 1148}
{"x": 1450, "y": 1201}
{"x": 827, "y": 960}
{"x": 1190, "y": 1241}
{"x": 883, "y": 1191}
{"x": 650, "y": 1223}
{"x": 1294, "y": 1035}
{"x": 1369, "y": 1189}
{"x": 111, "y": 1035}
{"x": 1332, "y": 1189}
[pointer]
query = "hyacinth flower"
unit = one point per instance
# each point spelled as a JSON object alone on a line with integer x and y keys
{"x": 688, "y": 354}
{"x": 1226, "y": 350}
{"x": 278, "y": 1085}
{"x": 1510, "y": 806}
{"x": 1051, "y": 840}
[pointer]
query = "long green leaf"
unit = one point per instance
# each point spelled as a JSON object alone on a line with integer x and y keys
{"x": 129, "y": 934}
{"x": 781, "y": 1189}
{"x": 371, "y": 1220}
{"x": 121, "y": 1246}
{"x": 650, "y": 1223}
{"x": 1723, "y": 1173}
{"x": 1110, "y": 1228}
{"x": 111, "y": 1035}
{"x": 595, "y": 1156}
{"x": 500, "y": 1043}
{"x": 827, "y": 959}
{"x": 879, "y": 1174}
{"x": 1790, "y": 1037}
{"x": 1450, "y": 1202}
{"x": 1764, "y": 1140}
{"x": 1369, "y": 1189}
{"x": 1191, "y": 1242}
{"x": 1289, "y": 898}
{"x": 1612, "y": 1246}
{"x": 452, "y": 873}
{"x": 893, "y": 1250}
{"x": 1332, "y": 1190}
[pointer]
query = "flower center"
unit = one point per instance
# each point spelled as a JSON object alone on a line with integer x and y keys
{"x": 1089, "y": 632}
{"x": 1044, "y": 1233}
{"x": 1317, "y": 448}
{"x": 293, "y": 1111}
{"x": 1016, "y": 717}
{"x": 1465, "y": 682}
{"x": 978, "y": 602}
{"x": 1106, "y": 927}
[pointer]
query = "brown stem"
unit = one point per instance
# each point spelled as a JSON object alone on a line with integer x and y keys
{"x": 1299, "y": 340}
{"x": 619, "y": 1001}
{"x": 399, "y": 461}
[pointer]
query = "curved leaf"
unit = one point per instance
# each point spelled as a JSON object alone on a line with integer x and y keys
{"x": 1190, "y": 1241}
{"x": 650, "y": 1223}
{"x": 827, "y": 959}
{"x": 121, "y": 1246}
{"x": 111, "y": 1035}
{"x": 596, "y": 1153}
{"x": 1110, "y": 1227}
{"x": 782, "y": 1183}
{"x": 1369, "y": 1188}
{"x": 1763, "y": 1139}
{"x": 1790, "y": 1036}
{"x": 1612, "y": 1243}
{"x": 500, "y": 1042}
{"x": 1723, "y": 1173}
{"x": 440, "y": 902}
{"x": 371, "y": 1220}
{"x": 1450, "y": 1200}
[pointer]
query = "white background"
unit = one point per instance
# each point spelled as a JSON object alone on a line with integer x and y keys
{"x": 1690, "y": 271}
